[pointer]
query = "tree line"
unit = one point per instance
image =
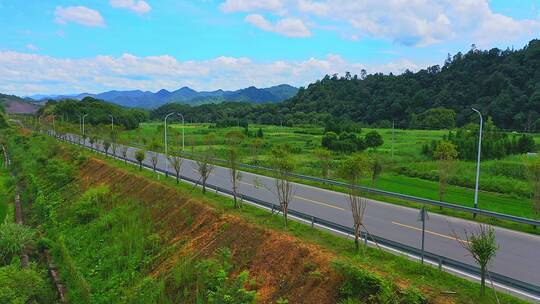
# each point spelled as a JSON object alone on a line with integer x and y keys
{"x": 502, "y": 84}
{"x": 71, "y": 110}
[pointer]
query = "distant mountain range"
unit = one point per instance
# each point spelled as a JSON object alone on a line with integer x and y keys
{"x": 147, "y": 99}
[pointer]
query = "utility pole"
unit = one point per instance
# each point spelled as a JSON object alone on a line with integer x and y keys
{"x": 478, "y": 161}
{"x": 423, "y": 217}
{"x": 393, "y": 139}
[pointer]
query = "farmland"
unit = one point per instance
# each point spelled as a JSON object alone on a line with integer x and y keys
{"x": 503, "y": 183}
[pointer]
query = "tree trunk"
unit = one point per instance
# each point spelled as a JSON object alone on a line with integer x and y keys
{"x": 177, "y": 177}
{"x": 482, "y": 280}
{"x": 204, "y": 186}
{"x": 140, "y": 166}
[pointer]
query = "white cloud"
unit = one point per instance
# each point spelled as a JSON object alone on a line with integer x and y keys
{"x": 412, "y": 23}
{"x": 138, "y": 6}
{"x": 78, "y": 14}
{"x": 290, "y": 27}
{"x": 32, "y": 47}
{"x": 27, "y": 74}
{"x": 230, "y": 6}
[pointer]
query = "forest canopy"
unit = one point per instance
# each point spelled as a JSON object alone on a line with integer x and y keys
{"x": 502, "y": 84}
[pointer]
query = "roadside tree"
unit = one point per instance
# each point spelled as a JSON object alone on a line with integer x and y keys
{"x": 446, "y": 154}
{"x": 353, "y": 169}
{"x": 283, "y": 166}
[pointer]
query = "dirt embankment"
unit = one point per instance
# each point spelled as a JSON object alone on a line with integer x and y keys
{"x": 283, "y": 266}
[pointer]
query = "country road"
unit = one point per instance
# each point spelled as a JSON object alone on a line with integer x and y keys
{"x": 516, "y": 258}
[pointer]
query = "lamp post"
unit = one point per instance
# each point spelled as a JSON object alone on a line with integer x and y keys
{"x": 112, "y": 122}
{"x": 478, "y": 161}
{"x": 83, "y": 127}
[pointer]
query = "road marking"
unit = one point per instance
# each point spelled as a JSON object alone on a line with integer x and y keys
{"x": 430, "y": 232}
{"x": 241, "y": 182}
{"x": 319, "y": 203}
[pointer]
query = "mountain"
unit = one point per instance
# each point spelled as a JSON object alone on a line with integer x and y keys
{"x": 503, "y": 84}
{"x": 16, "y": 105}
{"x": 147, "y": 99}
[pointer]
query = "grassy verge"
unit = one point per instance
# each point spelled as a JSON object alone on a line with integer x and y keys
{"x": 5, "y": 193}
{"x": 435, "y": 283}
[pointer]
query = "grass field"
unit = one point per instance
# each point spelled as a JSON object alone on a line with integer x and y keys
{"x": 503, "y": 184}
{"x": 394, "y": 267}
{"x": 5, "y": 194}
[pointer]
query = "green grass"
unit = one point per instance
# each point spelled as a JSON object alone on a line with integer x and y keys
{"x": 503, "y": 182}
{"x": 5, "y": 194}
{"x": 394, "y": 267}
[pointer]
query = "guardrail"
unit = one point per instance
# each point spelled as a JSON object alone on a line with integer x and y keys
{"x": 406, "y": 249}
{"x": 410, "y": 198}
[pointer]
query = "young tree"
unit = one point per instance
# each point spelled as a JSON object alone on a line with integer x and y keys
{"x": 283, "y": 166}
{"x": 376, "y": 169}
{"x": 204, "y": 166}
{"x": 153, "y": 147}
{"x": 140, "y": 155}
{"x": 373, "y": 140}
{"x": 236, "y": 176}
{"x": 324, "y": 156}
{"x": 176, "y": 162}
{"x": 446, "y": 154}
{"x": 124, "y": 151}
{"x": 92, "y": 141}
{"x": 353, "y": 169}
{"x": 106, "y": 146}
{"x": 533, "y": 175}
{"x": 482, "y": 246}
{"x": 256, "y": 144}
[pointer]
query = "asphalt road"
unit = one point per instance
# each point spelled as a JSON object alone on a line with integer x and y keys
{"x": 518, "y": 255}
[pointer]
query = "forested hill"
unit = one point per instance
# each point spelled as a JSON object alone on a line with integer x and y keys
{"x": 502, "y": 84}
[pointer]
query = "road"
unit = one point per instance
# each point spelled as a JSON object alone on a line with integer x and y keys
{"x": 517, "y": 257}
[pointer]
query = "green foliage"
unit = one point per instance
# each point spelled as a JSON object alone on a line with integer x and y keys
{"x": 495, "y": 143}
{"x": 19, "y": 286}
{"x": 13, "y": 239}
{"x": 88, "y": 206}
{"x": 435, "y": 119}
{"x": 362, "y": 286}
{"x": 482, "y": 246}
{"x": 373, "y": 139}
{"x": 345, "y": 142}
{"x": 98, "y": 112}
{"x": 209, "y": 281}
{"x": 140, "y": 155}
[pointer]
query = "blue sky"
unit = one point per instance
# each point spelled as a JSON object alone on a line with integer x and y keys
{"x": 56, "y": 47}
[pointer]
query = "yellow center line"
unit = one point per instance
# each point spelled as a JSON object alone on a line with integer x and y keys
{"x": 241, "y": 182}
{"x": 428, "y": 231}
{"x": 319, "y": 203}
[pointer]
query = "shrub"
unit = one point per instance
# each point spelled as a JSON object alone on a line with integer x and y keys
{"x": 13, "y": 239}
{"x": 19, "y": 285}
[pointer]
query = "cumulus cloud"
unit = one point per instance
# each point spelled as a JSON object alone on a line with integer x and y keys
{"x": 290, "y": 27}
{"x": 78, "y": 14}
{"x": 230, "y": 6}
{"x": 27, "y": 74}
{"x": 411, "y": 23}
{"x": 32, "y": 47}
{"x": 138, "y": 6}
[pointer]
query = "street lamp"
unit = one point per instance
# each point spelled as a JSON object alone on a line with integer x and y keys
{"x": 83, "y": 128}
{"x": 112, "y": 122}
{"x": 478, "y": 161}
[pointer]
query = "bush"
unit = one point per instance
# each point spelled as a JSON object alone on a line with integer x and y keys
{"x": 88, "y": 206}
{"x": 19, "y": 285}
{"x": 13, "y": 239}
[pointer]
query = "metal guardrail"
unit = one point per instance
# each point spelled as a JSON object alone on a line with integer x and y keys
{"x": 429, "y": 256}
{"x": 406, "y": 197}
{"x": 410, "y": 198}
